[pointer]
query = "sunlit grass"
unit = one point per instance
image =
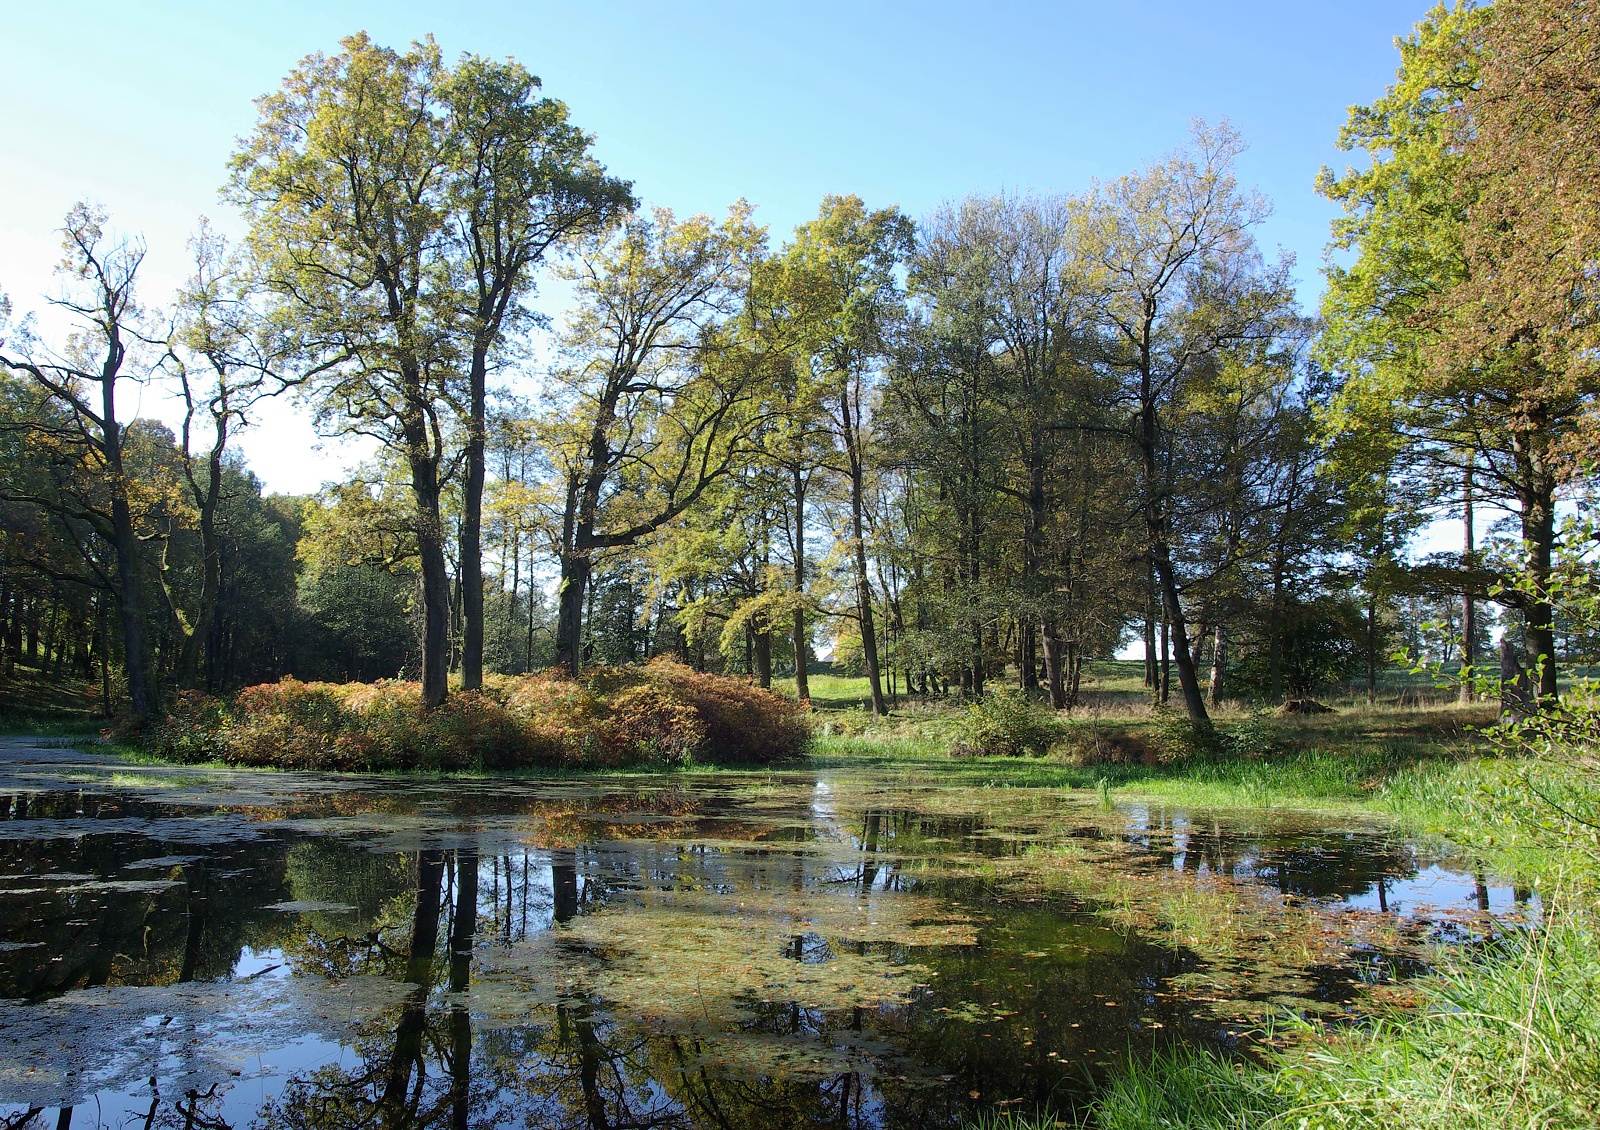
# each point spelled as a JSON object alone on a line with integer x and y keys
{"x": 1507, "y": 1036}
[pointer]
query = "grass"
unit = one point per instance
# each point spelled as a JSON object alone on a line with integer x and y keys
{"x": 33, "y": 703}
{"x": 1504, "y": 1037}
{"x": 1341, "y": 762}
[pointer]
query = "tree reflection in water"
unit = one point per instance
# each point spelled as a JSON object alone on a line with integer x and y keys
{"x": 584, "y": 961}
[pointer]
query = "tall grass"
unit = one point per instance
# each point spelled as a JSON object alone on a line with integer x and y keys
{"x": 1190, "y": 1089}
{"x": 1507, "y": 1037}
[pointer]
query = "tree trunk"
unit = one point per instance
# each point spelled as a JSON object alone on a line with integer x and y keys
{"x": 471, "y": 554}
{"x": 471, "y": 540}
{"x": 1193, "y": 701}
{"x": 210, "y": 567}
{"x": 1054, "y": 674}
{"x": 763, "y": 658}
{"x": 869, "y": 637}
{"x": 130, "y": 603}
{"x": 1219, "y": 664}
{"x": 1166, "y": 660}
{"x": 1538, "y": 534}
{"x": 575, "y": 571}
{"x": 1275, "y": 638}
{"x": 435, "y": 580}
{"x": 1516, "y": 689}
{"x": 1469, "y": 605}
{"x": 802, "y": 641}
{"x": 1372, "y": 649}
{"x": 1150, "y": 659}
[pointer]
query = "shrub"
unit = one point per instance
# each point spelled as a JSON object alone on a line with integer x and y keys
{"x": 611, "y": 718}
{"x": 1004, "y": 723}
{"x": 190, "y": 729}
{"x": 648, "y": 723}
{"x": 743, "y": 723}
{"x": 557, "y": 717}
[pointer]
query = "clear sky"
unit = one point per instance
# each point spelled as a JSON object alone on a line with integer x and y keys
{"x": 137, "y": 105}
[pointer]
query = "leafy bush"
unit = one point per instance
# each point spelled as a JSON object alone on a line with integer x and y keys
{"x": 1005, "y": 723}
{"x": 650, "y": 723}
{"x": 190, "y": 729}
{"x": 743, "y": 723}
{"x": 611, "y": 718}
{"x": 1320, "y": 643}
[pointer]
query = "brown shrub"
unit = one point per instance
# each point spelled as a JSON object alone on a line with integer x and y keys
{"x": 651, "y": 723}
{"x": 743, "y": 723}
{"x": 612, "y": 718}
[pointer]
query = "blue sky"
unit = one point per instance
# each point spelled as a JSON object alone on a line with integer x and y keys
{"x": 136, "y": 106}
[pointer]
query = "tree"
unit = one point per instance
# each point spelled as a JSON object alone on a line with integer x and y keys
{"x": 343, "y": 182}
{"x": 837, "y": 289}
{"x": 519, "y": 182}
{"x": 1181, "y": 281}
{"x": 656, "y": 400}
{"x": 1433, "y": 337}
{"x": 222, "y": 355}
{"x": 82, "y": 381}
{"x": 399, "y": 208}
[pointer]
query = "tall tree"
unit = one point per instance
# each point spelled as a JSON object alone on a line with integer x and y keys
{"x": 1182, "y": 281}
{"x": 519, "y": 182}
{"x": 222, "y": 356}
{"x": 400, "y": 208}
{"x": 82, "y": 380}
{"x": 1434, "y": 336}
{"x": 343, "y": 181}
{"x": 656, "y": 401}
{"x": 838, "y": 286}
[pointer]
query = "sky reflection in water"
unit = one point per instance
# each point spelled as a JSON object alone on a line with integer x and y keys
{"x": 208, "y": 948}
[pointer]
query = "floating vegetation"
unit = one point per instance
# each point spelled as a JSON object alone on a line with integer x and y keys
{"x": 672, "y": 952}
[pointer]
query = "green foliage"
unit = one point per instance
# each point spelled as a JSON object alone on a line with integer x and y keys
{"x": 612, "y": 718}
{"x": 1507, "y": 1036}
{"x": 1006, "y": 723}
{"x": 1320, "y": 642}
{"x": 1188, "y": 1089}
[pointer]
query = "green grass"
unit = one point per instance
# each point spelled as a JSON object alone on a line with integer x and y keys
{"x": 1339, "y": 762}
{"x": 33, "y": 703}
{"x": 1506, "y": 1036}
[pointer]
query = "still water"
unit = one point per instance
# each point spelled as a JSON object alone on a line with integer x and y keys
{"x": 184, "y": 948}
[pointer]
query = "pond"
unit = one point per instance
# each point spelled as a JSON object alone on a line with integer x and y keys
{"x": 205, "y": 948}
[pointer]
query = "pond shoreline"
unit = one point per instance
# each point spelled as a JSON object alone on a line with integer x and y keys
{"x": 986, "y": 907}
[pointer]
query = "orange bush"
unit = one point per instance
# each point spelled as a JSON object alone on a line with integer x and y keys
{"x": 743, "y": 722}
{"x": 611, "y": 718}
{"x": 649, "y": 723}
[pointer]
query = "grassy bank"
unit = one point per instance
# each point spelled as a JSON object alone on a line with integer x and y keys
{"x": 1503, "y": 1033}
{"x": 1402, "y": 757}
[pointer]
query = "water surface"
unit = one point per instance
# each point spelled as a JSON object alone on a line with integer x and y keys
{"x": 203, "y": 948}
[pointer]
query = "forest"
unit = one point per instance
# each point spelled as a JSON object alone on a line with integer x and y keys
{"x": 943, "y": 452}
